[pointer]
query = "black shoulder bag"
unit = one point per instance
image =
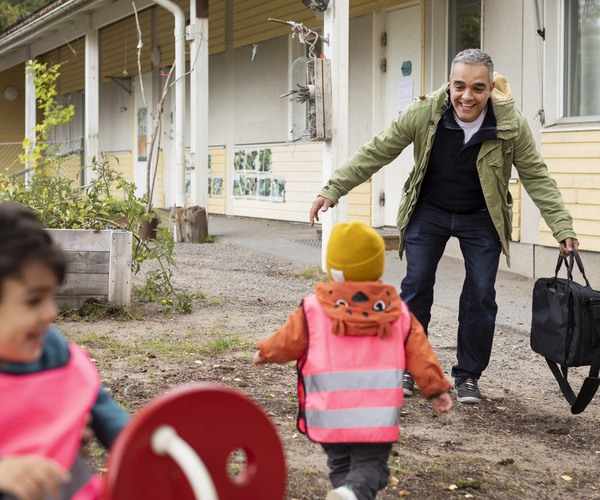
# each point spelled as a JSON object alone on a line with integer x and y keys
{"x": 565, "y": 329}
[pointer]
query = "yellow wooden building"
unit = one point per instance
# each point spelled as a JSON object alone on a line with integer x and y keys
{"x": 243, "y": 156}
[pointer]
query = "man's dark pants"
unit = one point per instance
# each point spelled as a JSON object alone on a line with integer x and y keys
{"x": 425, "y": 239}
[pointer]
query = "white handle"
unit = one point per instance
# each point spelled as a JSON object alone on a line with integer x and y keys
{"x": 166, "y": 441}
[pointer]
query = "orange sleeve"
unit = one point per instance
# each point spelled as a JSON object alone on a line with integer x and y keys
{"x": 288, "y": 343}
{"x": 423, "y": 364}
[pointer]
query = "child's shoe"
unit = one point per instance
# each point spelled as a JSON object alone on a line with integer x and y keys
{"x": 341, "y": 493}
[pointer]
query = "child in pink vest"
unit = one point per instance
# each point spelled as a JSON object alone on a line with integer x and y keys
{"x": 50, "y": 392}
{"x": 353, "y": 339}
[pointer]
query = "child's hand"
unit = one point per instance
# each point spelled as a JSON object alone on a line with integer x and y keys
{"x": 258, "y": 360}
{"x": 442, "y": 403}
{"x": 30, "y": 477}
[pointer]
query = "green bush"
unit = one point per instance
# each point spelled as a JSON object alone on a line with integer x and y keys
{"x": 108, "y": 202}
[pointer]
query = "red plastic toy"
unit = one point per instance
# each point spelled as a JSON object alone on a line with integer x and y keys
{"x": 196, "y": 428}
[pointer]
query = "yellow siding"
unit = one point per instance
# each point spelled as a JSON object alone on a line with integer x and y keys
{"x": 301, "y": 166}
{"x": 572, "y": 158}
{"x": 359, "y": 203}
{"x": 72, "y": 70}
{"x": 216, "y": 205}
{"x": 515, "y": 191}
{"x": 165, "y": 29}
{"x": 118, "y": 46}
{"x": 121, "y": 162}
{"x": 251, "y": 17}
{"x": 216, "y": 26}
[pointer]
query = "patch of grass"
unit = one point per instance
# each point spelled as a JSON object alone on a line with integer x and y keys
{"x": 221, "y": 342}
{"x": 468, "y": 483}
{"x": 112, "y": 346}
{"x": 311, "y": 273}
{"x": 208, "y": 239}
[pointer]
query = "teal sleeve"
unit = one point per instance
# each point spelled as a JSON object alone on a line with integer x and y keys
{"x": 108, "y": 418}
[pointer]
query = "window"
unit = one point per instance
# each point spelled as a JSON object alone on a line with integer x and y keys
{"x": 464, "y": 26}
{"x": 582, "y": 53}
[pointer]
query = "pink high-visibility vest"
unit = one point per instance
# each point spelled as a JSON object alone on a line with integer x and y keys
{"x": 44, "y": 414}
{"x": 350, "y": 387}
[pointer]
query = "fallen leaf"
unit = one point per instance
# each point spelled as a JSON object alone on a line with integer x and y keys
{"x": 500, "y": 407}
{"x": 452, "y": 487}
{"x": 237, "y": 379}
{"x": 468, "y": 495}
{"x": 567, "y": 478}
{"x": 394, "y": 480}
{"x": 403, "y": 493}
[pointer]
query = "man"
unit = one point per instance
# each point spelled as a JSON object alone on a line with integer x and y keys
{"x": 466, "y": 138}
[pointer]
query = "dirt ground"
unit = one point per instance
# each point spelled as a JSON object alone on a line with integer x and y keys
{"x": 520, "y": 442}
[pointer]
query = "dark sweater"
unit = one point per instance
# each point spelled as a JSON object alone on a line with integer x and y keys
{"x": 451, "y": 182}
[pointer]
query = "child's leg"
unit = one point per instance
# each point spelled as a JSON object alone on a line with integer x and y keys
{"x": 369, "y": 471}
{"x": 338, "y": 461}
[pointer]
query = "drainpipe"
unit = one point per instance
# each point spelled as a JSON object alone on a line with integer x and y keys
{"x": 179, "y": 98}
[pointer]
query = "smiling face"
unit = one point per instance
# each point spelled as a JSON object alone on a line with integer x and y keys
{"x": 470, "y": 88}
{"x": 27, "y": 308}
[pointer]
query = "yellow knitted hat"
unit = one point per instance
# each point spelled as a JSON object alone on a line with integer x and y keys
{"x": 355, "y": 252}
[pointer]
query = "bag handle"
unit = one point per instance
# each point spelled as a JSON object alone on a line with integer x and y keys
{"x": 569, "y": 262}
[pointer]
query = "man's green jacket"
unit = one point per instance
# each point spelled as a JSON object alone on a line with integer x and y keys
{"x": 514, "y": 145}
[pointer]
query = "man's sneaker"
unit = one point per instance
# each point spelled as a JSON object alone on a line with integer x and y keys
{"x": 408, "y": 384}
{"x": 341, "y": 493}
{"x": 467, "y": 390}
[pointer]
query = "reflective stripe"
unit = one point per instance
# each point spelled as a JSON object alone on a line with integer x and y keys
{"x": 354, "y": 418}
{"x": 346, "y": 381}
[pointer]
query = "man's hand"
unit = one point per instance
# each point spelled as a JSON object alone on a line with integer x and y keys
{"x": 442, "y": 403}
{"x": 321, "y": 204}
{"x": 31, "y": 477}
{"x": 567, "y": 245}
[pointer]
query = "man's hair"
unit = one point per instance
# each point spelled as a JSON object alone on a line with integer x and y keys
{"x": 474, "y": 57}
{"x": 23, "y": 240}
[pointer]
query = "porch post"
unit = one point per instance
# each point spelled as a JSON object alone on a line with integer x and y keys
{"x": 198, "y": 35}
{"x": 92, "y": 97}
{"x": 30, "y": 111}
{"x": 335, "y": 152}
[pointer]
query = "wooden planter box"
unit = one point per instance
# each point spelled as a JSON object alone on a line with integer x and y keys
{"x": 99, "y": 266}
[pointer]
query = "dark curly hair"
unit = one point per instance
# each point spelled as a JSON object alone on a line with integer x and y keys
{"x": 24, "y": 240}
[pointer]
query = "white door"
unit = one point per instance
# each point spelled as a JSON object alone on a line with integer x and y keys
{"x": 401, "y": 82}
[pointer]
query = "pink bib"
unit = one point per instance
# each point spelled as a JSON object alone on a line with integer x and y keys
{"x": 44, "y": 413}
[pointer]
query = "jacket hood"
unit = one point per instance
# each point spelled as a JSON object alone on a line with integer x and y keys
{"x": 502, "y": 90}
{"x": 360, "y": 307}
